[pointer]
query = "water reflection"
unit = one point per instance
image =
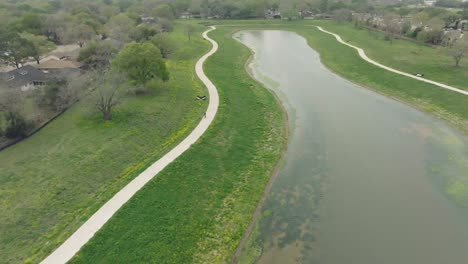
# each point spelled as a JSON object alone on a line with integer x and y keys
{"x": 366, "y": 180}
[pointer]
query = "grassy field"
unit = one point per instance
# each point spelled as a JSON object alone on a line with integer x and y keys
{"x": 404, "y": 55}
{"x": 52, "y": 182}
{"x": 198, "y": 208}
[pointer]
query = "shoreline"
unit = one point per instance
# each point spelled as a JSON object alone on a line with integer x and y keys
{"x": 275, "y": 172}
{"x": 457, "y": 123}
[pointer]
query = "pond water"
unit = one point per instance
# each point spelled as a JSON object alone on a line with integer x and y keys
{"x": 366, "y": 179}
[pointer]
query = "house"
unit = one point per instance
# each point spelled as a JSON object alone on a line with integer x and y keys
{"x": 24, "y": 78}
{"x": 57, "y": 65}
{"x": 272, "y": 14}
{"x": 429, "y": 2}
{"x": 147, "y": 19}
{"x": 185, "y": 15}
{"x": 305, "y": 14}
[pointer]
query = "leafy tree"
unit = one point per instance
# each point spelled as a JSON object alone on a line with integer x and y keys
{"x": 120, "y": 28}
{"x": 165, "y": 44}
{"x": 165, "y": 24}
{"x": 145, "y": 32}
{"x": 97, "y": 55}
{"x": 47, "y": 96}
{"x": 14, "y": 50}
{"x": 164, "y": 11}
{"x": 31, "y": 23}
{"x": 141, "y": 62}
{"x": 12, "y": 104}
{"x": 40, "y": 45}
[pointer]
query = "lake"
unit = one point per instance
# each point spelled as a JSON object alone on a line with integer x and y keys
{"x": 365, "y": 180}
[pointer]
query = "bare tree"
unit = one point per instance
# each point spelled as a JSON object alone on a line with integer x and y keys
{"x": 80, "y": 33}
{"x": 189, "y": 29}
{"x": 108, "y": 91}
{"x": 120, "y": 28}
{"x": 458, "y": 51}
{"x": 450, "y": 38}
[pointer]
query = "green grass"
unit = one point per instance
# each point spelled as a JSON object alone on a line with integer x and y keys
{"x": 404, "y": 55}
{"x": 198, "y": 208}
{"x": 52, "y": 182}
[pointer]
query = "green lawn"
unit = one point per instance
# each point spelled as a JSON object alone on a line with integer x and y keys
{"x": 52, "y": 182}
{"x": 404, "y": 55}
{"x": 198, "y": 208}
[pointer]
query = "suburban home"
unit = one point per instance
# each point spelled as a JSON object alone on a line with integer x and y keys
{"x": 272, "y": 14}
{"x": 24, "y": 78}
{"x": 185, "y": 15}
{"x": 147, "y": 19}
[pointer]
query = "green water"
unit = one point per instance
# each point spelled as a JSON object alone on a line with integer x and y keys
{"x": 366, "y": 179}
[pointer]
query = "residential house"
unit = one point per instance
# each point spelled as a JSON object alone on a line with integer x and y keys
{"x": 185, "y": 15}
{"x": 272, "y": 14}
{"x": 24, "y": 78}
{"x": 147, "y": 19}
{"x": 305, "y": 14}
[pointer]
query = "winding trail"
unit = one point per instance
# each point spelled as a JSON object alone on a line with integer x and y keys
{"x": 364, "y": 56}
{"x": 81, "y": 236}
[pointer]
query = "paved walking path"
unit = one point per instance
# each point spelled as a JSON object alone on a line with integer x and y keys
{"x": 364, "y": 56}
{"x": 73, "y": 244}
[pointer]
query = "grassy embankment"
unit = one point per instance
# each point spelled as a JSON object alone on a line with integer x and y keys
{"x": 198, "y": 208}
{"x": 434, "y": 61}
{"x": 52, "y": 182}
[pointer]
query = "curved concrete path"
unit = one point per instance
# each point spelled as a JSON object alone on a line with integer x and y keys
{"x": 73, "y": 244}
{"x": 364, "y": 56}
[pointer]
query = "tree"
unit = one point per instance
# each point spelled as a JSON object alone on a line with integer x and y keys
{"x": 40, "y": 45}
{"x": 164, "y": 11}
{"x": 97, "y": 55}
{"x": 31, "y": 23}
{"x": 141, "y": 62}
{"x": 145, "y": 32}
{"x": 12, "y": 104}
{"x": 14, "y": 50}
{"x": 120, "y": 28}
{"x": 451, "y": 37}
{"x": 165, "y": 24}
{"x": 392, "y": 26}
{"x": 343, "y": 15}
{"x": 189, "y": 29}
{"x": 108, "y": 87}
{"x": 458, "y": 51}
{"x": 166, "y": 45}
{"x": 80, "y": 33}
{"x": 56, "y": 26}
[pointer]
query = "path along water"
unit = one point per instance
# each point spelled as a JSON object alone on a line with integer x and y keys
{"x": 366, "y": 179}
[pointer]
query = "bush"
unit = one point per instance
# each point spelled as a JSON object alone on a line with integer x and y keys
{"x": 16, "y": 125}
